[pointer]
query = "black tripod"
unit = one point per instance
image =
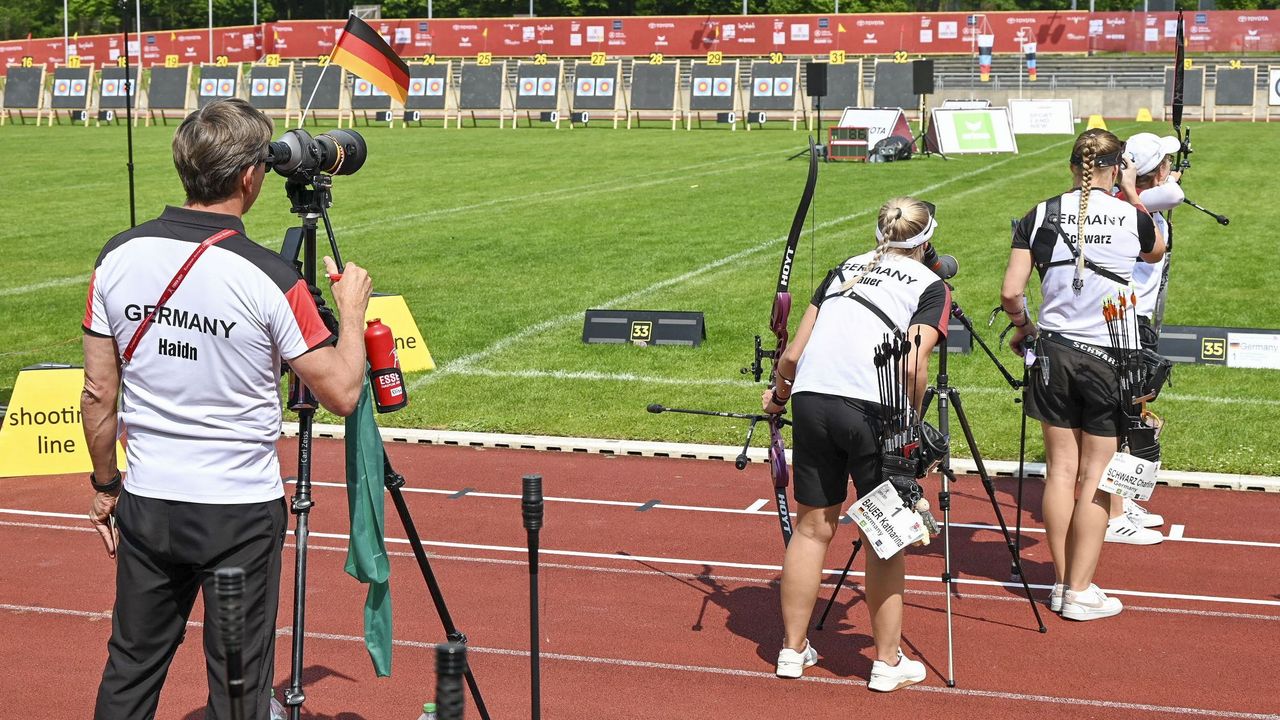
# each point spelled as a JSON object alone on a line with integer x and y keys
{"x": 948, "y": 396}
{"x": 394, "y": 481}
{"x": 310, "y": 204}
{"x": 310, "y": 198}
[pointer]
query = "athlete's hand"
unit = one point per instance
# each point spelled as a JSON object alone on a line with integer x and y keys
{"x": 768, "y": 405}
{"x": 352, "y": 290}
{"x": 1129, "y": 176}
{"x": 1019, "y": 335}
{"x": 101, "y": 514}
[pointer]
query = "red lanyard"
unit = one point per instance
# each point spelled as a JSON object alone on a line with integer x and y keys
{"x": 173, "y": 286}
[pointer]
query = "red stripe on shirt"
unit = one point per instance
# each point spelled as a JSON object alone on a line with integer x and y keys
{"x": 306, "y": 315}
{"x": 944, "y": 323}
{"x": 88, "y": 303}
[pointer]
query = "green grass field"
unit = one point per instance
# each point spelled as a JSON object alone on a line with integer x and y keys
{"x": 501, "y": 239}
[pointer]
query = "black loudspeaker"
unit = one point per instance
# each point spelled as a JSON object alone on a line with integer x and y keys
{"x": 922, "y": 77}
{"x": 815, "y": 79}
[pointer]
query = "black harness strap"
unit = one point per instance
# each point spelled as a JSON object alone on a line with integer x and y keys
{"x": 1053, "y": 208}
{"x": 878, "y": 312}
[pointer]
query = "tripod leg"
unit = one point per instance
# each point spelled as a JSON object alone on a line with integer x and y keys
{"x": 301, "y": 504}
{"x": 857, "y": 545}
{"x": 1015, "y": 571}
{"x": 944, "y": 503}
{"x": 995, "y": 506}
{"x": 394, "y": 481}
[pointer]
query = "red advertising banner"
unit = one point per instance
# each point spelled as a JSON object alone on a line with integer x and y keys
{"x": 1219, "y": 31}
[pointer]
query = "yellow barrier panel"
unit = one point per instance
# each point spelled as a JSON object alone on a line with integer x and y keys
{"x": 1096, "y": 121}
{"x": 42, "y": 434}
{"x": 1144, "y": 115}
{"x": 411, "y": 348}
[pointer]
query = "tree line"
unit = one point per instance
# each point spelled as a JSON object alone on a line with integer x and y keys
{"x": 23, "y": 18}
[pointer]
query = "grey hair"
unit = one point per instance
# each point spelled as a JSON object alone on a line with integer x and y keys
{"x": 214, "y": 144}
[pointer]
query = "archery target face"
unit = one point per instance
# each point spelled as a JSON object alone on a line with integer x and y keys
{"x": 723, "y": 87}
{"x": 111, "y": 88}
{"x": 782, "y": 87}
{"x": 260, "y": 88}
{"x": 226, "y": 87}
{"x": 62, "y": 88}
{"x": 278, "y": 86}
{"x": 586, "y": 86}
{"x": 702, "y": 87}
{"x": 78, "y": 87}
{"x": 763, "y": 87}
{"x": 547, "y": 86}
{"x": 362, "y": 88}
{"x": 417, "y": 86}
{"x": 604, "y": 87}
{"x": 208, "y": 88}
{"x": 528, "y": 86}
{"x": 435, "y": 87}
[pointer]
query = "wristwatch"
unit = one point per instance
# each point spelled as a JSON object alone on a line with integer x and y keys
{"x": 109, "y": 488}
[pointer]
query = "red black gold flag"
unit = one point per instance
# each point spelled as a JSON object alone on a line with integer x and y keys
{"x": 362, "y": 51}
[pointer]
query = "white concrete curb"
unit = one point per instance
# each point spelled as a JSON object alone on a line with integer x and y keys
{"x": 642, "y": 448}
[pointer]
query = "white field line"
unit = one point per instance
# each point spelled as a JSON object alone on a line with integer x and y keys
{"x": 470, "y": 361}
{"x": 623, "y": 184}
{"x": 630, "y": 558}
{"x": 708, "y": 670}
{"x": 594, "y": 376}
{"x": 44, "y": 284}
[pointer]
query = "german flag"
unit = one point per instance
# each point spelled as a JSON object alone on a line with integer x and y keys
{"x": 362, "y": 51}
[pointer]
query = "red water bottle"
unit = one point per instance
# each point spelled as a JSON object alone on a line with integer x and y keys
{"x": 384, "y": 367}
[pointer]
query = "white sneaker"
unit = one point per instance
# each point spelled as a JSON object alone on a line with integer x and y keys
{"x": 1055, "y": 597}
{"x": 791, "y": 664}
{"x": 1090, "y": 604}
{"x": 1123, "y": 530}
{"x": 1140, "y": 516}
{"x": 887, "y": 678}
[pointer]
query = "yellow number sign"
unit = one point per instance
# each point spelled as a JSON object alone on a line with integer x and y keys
{"x": 273, "y": 60}
{"x": 171, "y": 61}
{"x": 429, "y": 59}
{"x": 73, "y": 61}
{"x": 836, "y": 57}
{"x": 656, "y": 58}
{"x": 484, "y": 59}
{"x": 715, "y": 57}
{"x": 598, "y": 58}
{"x": 222, "y": 61}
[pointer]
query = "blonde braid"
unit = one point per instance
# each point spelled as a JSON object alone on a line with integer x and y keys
{"x": 898, "y": 218}
{"x": 881, "y": 249}
{"x": 1086, "y": 187}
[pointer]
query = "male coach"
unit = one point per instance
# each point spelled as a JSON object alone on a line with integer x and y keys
{"x": 198, "y": 387}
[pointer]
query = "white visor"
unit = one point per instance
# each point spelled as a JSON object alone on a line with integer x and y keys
{"x": 911, "y": 242}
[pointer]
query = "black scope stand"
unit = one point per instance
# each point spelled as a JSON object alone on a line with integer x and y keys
{"x": 948, "y": 396}
{"x": 394, "y": 481}
{"x": 310, "y": 204}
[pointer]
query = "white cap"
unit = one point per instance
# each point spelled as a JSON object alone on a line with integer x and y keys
{"x": 1149, "y": 149}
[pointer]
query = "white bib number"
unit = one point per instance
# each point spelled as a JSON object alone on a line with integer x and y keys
{"x": 888, "y": 525}
{"x": 1129, "y": 477}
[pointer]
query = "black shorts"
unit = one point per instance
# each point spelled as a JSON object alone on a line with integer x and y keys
{"x": 1082, "y": 391}
{"x": 833, "y": 439}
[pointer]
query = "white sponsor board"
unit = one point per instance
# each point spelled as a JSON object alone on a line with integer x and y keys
{"x": 965, "y": 104}
{"x": 1042, "y": 117}
{"x": 879, "y": 122}
{"x": 1273, "y": 86}
{"x": 983, "y": 130}
{"x": 1253, "y": 350}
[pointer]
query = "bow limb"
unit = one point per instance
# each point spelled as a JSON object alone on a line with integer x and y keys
{"x": 778, "y": 322}
{"x": 1179, "y": 163}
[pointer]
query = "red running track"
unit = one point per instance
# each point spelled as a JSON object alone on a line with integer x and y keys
{"x": 670, "y": 609}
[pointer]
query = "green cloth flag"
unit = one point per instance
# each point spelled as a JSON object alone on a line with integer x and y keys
{"x": 367, "y": 559}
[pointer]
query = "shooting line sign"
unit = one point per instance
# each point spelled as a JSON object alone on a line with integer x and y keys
{"x": 411, "y": 348}
{"x": 42, "y": 433}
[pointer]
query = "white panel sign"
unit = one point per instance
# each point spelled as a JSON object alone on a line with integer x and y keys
{"x": 1253, "y": 350}
{"x": 974, "y": 131}
{"x": 1042, "y": 117}
{"x": 880, "y": 123}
